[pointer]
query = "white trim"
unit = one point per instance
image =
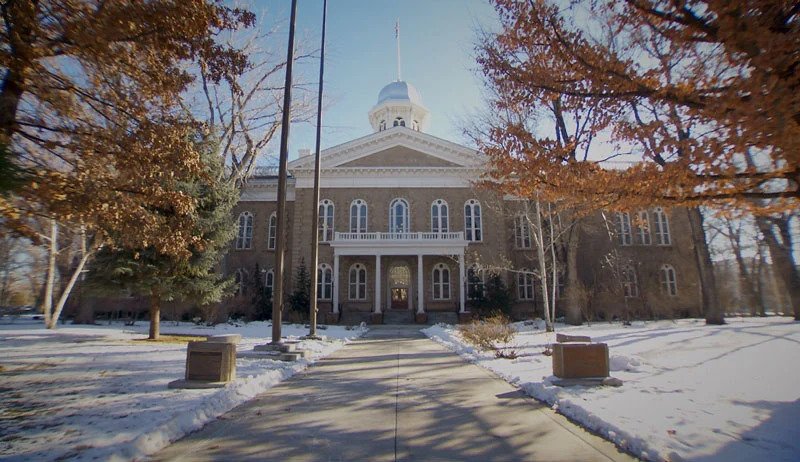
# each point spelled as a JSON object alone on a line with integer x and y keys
{"x": 272, "y": 231}
{"x": 359, "y": 283}
{"x": 391, "y": 177}
{"x": 405, "y": 228}
{"x": 440, "y": 219}
{"x": 359, "y": 217}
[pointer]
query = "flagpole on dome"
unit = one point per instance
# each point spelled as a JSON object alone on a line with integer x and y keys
{"x": 397, "y": 39}
{"x": 312, "y": 330}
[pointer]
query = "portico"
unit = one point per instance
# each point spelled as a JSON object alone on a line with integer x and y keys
{"x": 381, "y": 247}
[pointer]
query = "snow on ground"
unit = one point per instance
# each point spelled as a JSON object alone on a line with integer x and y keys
{"x": 100, "y": 392}
{"x": 691, "y": 392}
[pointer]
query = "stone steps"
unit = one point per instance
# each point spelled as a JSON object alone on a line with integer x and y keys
{"x": 398, "y": 317}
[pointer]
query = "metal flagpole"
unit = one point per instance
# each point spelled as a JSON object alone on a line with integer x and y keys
{"x": 280, "y": 245}
{"x": 397, "y": 39}
{"x": 312, "y": 332}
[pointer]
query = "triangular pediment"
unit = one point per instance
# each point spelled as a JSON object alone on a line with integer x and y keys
{"x": 399, "y": 156}
{"x": 395, "y": 147}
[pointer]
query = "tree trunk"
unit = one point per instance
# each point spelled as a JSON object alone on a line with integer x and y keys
{"x": 575, "y": 308}
{"x": 708, "y": 284}
{"x": 47, "y": 303}
{"x": 548, "y": 321}
{"x": 783, "y": 261}
{"x": 746, "y": 282}
{"x": 62, "y": 301}
{"x": 155, "y": 316}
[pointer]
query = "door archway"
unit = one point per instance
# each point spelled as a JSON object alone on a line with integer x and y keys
{"x": 399, "y": 286}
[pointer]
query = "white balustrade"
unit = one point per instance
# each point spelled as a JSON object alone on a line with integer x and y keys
{"x": 378, "y": 236}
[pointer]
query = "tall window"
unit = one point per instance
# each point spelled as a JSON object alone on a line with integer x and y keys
{"x": 358, "y": 216}
{"x": 472, "y": 220}
{"x": 244, "y": 236}
{"x": 525, "y": 285}
{"x": 358, "y": 282}
{"x": 643, "y": 227}
{"x": 669, "y": 283}
{"x": 325, "y": 225}
{"x": 269, "y": 283}
{"x": 399, "y": 121}
{"x": 441, "y": 282}
{"x": 661, "y": 227}
{"x": 382, "y": 126}
{"x": 398, "y": 216}
{"x": 240, "y": 278}
{"x": 324, "y": 282}
{"x": 439, "y": 217}
{"x": 522, "y": 232}
{"x": 629, "y": 284}
{"x": 624, "y": 228}
{"x": 475, "y": 285}
{"x": 272, "y": 231}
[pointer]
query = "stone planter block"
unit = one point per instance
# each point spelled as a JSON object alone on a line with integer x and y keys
{"x": 580, "y": 360}
{"x": 211, "y": 362}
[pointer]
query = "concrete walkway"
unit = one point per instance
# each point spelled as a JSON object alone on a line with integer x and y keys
{"x": 392, "y": 396}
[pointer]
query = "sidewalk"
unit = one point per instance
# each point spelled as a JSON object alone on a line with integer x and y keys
{"x": 393, "y": 395}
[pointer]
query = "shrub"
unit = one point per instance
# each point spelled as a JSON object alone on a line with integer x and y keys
{"x": 488, "y": 333}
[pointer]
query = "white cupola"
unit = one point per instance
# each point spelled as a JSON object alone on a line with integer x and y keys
{"x": 399, "y": 104}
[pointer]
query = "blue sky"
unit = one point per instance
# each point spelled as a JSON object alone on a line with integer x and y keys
{"x": 437, "y": 38}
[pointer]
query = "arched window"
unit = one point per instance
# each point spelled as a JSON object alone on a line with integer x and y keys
{"x": 669, "y": 283}
{"x": 624, "y": 228}
{"x": 399, "y": 122}
{"x": 358, "y": 282}
{"x": 629, "y": 284}
{"x": 522, "y": 232}
{"x": 240, "y": 278}
{"x": 272, "y": 231}
{"x": 440, "y": 221}
{"x": 244, "y": 235}
{"x": 325, "y": 225}
{"x": 269, "y": 283}
{"x": 398, "y": 216}
{"x": 324, "y": 282}
{"x": 472, "y": 220}
{"x": 525, "y": 285}
{"x": 475, "y": 283}
{"x": 643, "y": 226}
{"x": 441, "y": 282}
{"x": 662, "y": 227}
{"x": 382, "y": 126}
{"x": 358, "y": 216}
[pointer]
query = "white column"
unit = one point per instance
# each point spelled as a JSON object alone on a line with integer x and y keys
{"x": 335, "y": 283}
{"x": 461, "y": 288}
{"x": 420, "y": 290}
{"x": 377, "y": 283}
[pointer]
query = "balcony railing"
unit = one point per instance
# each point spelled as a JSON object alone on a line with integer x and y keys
{"x": 404, "y": 237}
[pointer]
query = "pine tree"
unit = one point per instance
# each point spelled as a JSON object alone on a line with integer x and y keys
{"x": 262, "y": 297}
{"x": 300, "y": 301}
{"x": 163, "y": 277}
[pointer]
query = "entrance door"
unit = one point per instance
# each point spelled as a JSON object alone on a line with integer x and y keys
{"x": 399, "y": 284}
{"x": 399, "y": 298}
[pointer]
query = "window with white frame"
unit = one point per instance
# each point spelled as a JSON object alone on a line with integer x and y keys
{"x": 661, "y": 223}
{"x": 669, "y": 283}
{"x": 272, "y": 231}
{"x": 358, "y": 282}
{"x": 522, "y": 232}
{"x": 472, "y": 220}
{"x": 525, "y": 285}
{"x": 240, "y": 278}
{"x": 324, "y": 282}
{"x": 630, "y": 286}
{"x": 441, "y": 282}
{"x": 440, "y": 221}
{"x": 382, "y": 126}
{"x": 269, "y": 283}
{"x": 398, "y": 216}
{"x": 325, "y": 224}
{"x": 244, "y": 235}
{"x": 643, "y": 227}
{"x": 475, "y": 282}
{"x": 358, "y": 216}
{"x": 624, "y": 228}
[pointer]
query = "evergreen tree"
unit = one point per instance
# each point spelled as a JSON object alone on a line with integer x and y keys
{"x": 262, "y": 297}
{"x": 162, "y": 277}
{"x": 495, "y": 297}
{"x": 300, "y": 301}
